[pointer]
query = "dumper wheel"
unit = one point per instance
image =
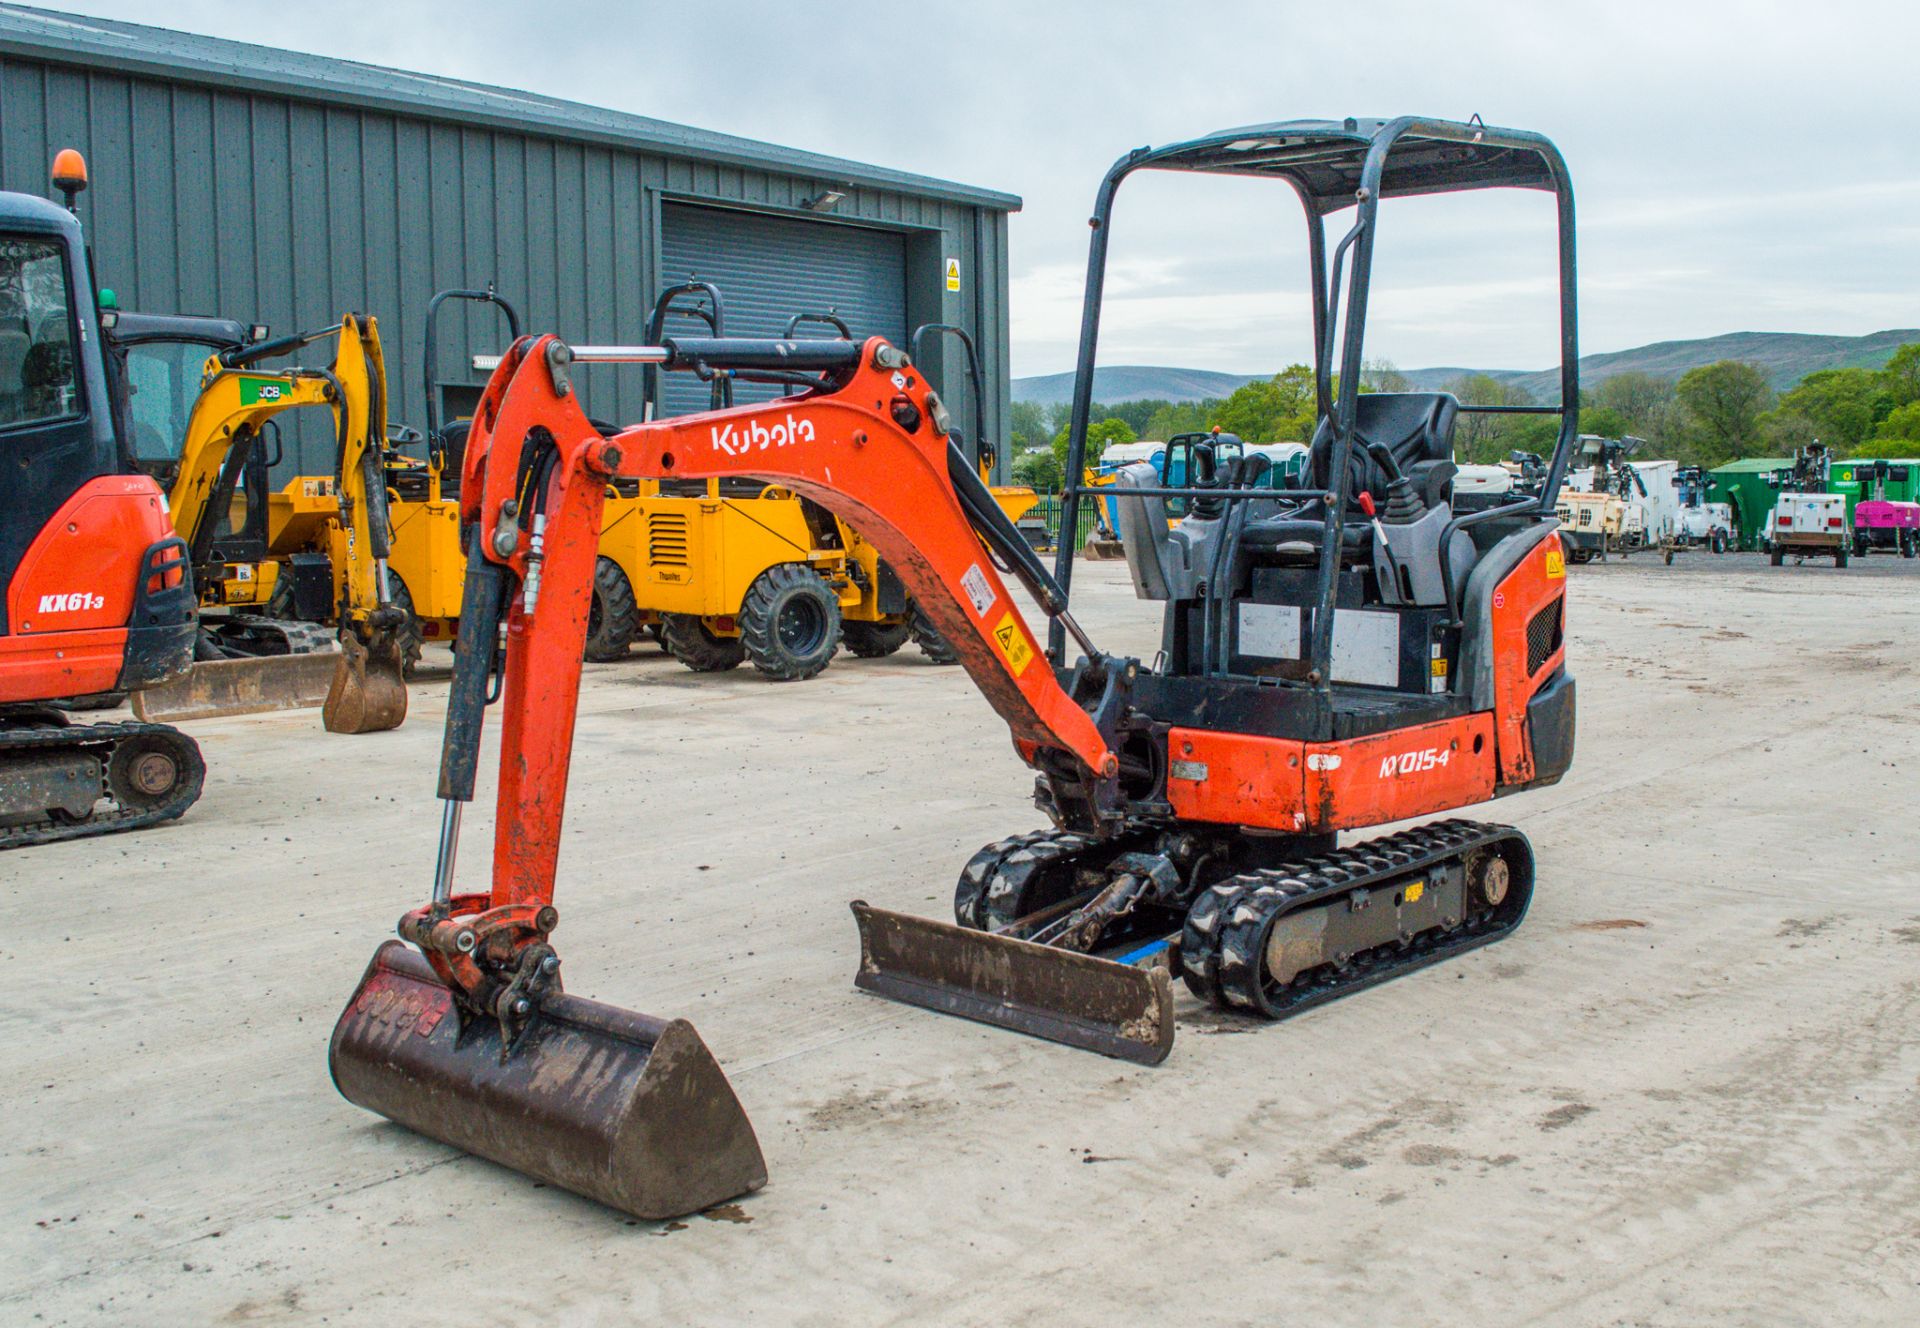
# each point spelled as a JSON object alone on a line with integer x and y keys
{"x": 925, "y": 635}
{"x": 1779, "y": 557}
{"x": 1909, "y": 544}
{"x": 790, "y": 622}
{"x": 874, "y": 640}
{"x": 688, "y": 640}
{"x": 1840, "y": 556}
{"x": 407, "y": 636}
{"x": 612, "y": 618}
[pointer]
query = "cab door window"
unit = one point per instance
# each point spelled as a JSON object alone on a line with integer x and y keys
{"x": 163, "y": 382}
{"x": 37, "y": 365}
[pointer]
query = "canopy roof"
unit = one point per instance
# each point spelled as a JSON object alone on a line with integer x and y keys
{"x": 1326, "y": 159}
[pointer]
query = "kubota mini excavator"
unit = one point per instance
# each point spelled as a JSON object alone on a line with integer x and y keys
{"x": 95, "y": 590}
{"x": 1336, "y": 656}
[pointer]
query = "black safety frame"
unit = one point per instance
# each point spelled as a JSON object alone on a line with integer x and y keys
{"x": 1331, "y": 166}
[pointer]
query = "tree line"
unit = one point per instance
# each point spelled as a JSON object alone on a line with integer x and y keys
{"x": 1708, "y": 416}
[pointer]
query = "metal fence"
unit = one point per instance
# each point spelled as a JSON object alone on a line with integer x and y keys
{"x": 1085, "y": 519}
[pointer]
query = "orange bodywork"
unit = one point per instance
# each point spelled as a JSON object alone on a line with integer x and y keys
{"x": 1315, "y": 787}
{"x": 70, "y": 598}
{"x": 1540, "y": 578}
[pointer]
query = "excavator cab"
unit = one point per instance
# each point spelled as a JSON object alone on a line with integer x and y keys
{"x": 156, "y": 363}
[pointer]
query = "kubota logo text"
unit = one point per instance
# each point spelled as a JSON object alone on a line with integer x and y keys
{"x": 76, "y": 602}
{"x": 754, "y": 436}
{"x": 1411, "y": 763}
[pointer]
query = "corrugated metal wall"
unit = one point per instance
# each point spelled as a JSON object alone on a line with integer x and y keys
{"x": 769, "y": 268}
{"x": 287, "y": 211}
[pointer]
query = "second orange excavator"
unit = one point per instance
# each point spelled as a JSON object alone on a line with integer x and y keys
{"x": 1337, "y": 655}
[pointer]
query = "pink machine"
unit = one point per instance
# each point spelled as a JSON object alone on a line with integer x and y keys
{"x": 1887, "y": 525}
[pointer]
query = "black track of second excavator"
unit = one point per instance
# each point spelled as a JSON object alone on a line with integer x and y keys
{"x": 44, "y": 737}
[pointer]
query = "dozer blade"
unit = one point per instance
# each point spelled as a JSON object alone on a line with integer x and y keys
{"x": 368, "y": 693}
{"x": 1081, "y": 1000}
{"x": 250, "y": 686}
{"x": 626, "y": 1109}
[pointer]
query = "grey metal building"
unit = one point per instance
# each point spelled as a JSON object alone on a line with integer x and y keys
{"x": 278, "y": 188}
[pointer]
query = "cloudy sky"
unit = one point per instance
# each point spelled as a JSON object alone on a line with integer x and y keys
{"x": 1738, "y": 166}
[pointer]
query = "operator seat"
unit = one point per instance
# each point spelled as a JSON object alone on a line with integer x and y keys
{"x": 1416, "y": 427}
{"x": 453, "y": 448}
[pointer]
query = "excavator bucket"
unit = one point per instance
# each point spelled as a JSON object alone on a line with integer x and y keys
{"x": 368, "y": 693}
{"x": 623, "y": 1108}
{"x": 1110, "y": 1006}
{"x": 248, "y": 686}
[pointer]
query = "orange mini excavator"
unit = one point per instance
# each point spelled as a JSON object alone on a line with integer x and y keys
{"x": 96, "y": 594}
{"x": 1337, "y": 655}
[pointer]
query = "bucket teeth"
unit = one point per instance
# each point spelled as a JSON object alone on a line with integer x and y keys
{"x": 1065, "y": 996}
{"x": 623, "y": 1108}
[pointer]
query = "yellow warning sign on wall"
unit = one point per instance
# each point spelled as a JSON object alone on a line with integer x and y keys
{"x": 1013, "y": 643}
{"x": 953, "y": 274}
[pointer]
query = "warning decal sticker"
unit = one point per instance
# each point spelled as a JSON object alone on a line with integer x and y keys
{"x": 1013, "y": 643}
{"x": 979, "y": 593}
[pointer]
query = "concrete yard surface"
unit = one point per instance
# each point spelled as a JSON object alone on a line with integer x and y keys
{"x": 1686, "y": 1091}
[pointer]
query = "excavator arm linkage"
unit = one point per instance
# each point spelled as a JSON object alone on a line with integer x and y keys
{"x": 869, "y": 450}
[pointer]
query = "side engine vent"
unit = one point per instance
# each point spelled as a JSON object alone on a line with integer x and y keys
{"x": 667, "y": 539}
{"x": 1543, "y": 635}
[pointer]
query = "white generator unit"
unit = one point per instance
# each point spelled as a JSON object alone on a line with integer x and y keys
{"x": 1809, "y": 525}
{"x": 1653, "y": 508}
{"x": 1708, "y": 526}
{"x": 1476, "y": 488}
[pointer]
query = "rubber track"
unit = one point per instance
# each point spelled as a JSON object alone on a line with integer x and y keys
{"x": 992, "y": 884}
{"x": 105, "y": 737}
{"x": 994, "y": 878}
{"x": 1221, "y": 942}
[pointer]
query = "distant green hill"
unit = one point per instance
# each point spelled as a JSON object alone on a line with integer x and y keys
{"x": 1132, "y": 382}
{"x": 1786, "y": 357}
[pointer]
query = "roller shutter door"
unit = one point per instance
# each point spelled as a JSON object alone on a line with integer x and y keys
{"x": 769, "y": 268}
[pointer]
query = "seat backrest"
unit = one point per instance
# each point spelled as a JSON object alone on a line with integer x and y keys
{"x": 1415, "y": 426}
{"x": 453, "y": 448}
{"x": 1143, "y": 530}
